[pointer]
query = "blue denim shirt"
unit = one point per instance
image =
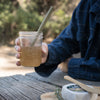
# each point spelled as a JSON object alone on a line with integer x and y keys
{"x": 81, "y": 35}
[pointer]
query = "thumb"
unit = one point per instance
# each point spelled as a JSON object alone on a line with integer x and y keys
{"x": 44, "y": 48}
{"x": 44, "y": 52}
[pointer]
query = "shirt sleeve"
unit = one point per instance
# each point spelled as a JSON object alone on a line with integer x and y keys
{"x": 61, "y": 48}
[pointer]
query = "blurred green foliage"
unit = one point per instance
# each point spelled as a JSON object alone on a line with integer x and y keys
{"x": 27, "y": 15}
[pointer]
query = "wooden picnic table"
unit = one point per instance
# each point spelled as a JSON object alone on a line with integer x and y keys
{"x": 31, "y": 85}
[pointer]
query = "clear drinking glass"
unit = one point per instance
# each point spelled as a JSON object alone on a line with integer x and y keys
{"x": 30, "y": 52}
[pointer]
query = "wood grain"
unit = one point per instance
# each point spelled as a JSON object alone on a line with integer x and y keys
{"x": 31, "y": 85}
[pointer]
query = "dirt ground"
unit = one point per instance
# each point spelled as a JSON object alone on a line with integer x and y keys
{"x": 8, "y": 63}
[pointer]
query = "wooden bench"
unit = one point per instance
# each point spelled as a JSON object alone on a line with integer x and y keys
{"x": 31, "y": 86}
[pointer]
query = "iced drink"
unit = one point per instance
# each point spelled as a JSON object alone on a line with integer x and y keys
{"x": 30, "y": 54}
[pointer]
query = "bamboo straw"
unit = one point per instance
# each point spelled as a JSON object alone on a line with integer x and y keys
{"x": 43, "y": 23}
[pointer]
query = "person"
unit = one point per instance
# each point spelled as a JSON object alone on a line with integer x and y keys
{"x": 81, "y": 35}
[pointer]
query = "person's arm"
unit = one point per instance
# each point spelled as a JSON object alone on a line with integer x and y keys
{"x": 61, "y": 48}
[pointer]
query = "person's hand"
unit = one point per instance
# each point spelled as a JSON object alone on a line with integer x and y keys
{"x": 18, "y": 49}
{"x": 64, "y": 65}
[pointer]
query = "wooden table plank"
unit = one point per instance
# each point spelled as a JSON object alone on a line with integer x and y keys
{"x": 57, "y": 78}
{"x": 31, "y": 82}
{"x": 9, "y": 85}
{"x": 23, "y": 88}
{"x": 6, "y": 90}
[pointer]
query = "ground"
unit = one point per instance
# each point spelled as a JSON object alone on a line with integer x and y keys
{"x": 8, "y": 63}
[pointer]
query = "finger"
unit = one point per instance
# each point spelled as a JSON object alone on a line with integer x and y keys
{"x": 18, "y": 63}
{"x": 17, "y": 48}
{"x": 17, "y": 41}
{"x": 18, "y": 55}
